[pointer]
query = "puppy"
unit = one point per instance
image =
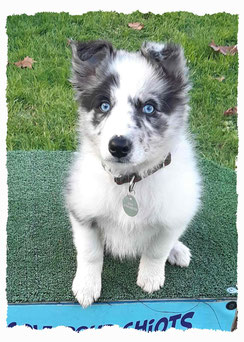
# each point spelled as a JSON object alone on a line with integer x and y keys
{"x": 134, "y": 186}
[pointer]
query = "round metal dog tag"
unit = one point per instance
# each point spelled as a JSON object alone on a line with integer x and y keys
{"x": 130, "y": 205}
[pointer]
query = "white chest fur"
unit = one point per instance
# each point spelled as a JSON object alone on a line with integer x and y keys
{"x": 166, "y": 200}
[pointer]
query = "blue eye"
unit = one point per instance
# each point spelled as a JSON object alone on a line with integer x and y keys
{"x": 105, "y": 107}
{"x": 148, "y": 109}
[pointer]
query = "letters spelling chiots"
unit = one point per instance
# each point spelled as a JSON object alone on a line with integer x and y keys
{"x": 162, "y": 324}
{"x": 133, "y": 141}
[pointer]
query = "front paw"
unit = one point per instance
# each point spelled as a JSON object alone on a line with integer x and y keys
{"x": 151, "y": 276}
{"x": 179, "y": 255}
{"x": 86, "y": 288}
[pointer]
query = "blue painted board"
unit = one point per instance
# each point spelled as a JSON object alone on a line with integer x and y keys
{"x": 153, "y": 315}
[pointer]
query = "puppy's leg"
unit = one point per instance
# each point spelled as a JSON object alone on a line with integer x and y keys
{"x": 87, "y": 282}
{"x": 152, "y": 264}
{"x": 179, "y": 255}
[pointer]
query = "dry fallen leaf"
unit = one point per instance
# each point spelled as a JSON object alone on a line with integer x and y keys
{"x": 25, "y": 63}
{"x": 220, "y": 79}
{"x": 231, "y": 111}
{"x": 225, "y": 50}
{"x": 136, "y": 26}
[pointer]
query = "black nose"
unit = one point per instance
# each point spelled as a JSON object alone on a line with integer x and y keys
{"x": 119, "y": 146}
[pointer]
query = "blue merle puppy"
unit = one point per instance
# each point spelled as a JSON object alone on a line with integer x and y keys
{"x": 134, "y": 185}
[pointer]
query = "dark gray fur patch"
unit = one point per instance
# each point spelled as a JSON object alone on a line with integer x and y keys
{"x": 174, "y": 95}
{"x": 87, "y": 58}
{"x": 156, "y": 119}
{"x": 93, "y": 51}
{"x": 91, "y": 100}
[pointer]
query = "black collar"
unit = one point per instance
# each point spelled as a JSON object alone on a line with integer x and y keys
{"x": 127, "y": 178}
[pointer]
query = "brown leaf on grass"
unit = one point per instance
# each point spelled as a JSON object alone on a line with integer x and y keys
{"x": 136, "y": 26}
{"x": 231, "y": 111}
{"x": 220, "y": 79}
{"x": 25, "y": 63}
{"x": 225, "y": 50}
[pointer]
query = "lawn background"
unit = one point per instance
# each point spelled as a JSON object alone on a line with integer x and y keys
{"x": 41, "y": 108}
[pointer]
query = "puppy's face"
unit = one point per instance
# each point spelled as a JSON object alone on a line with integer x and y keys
{"x": 132, "y": 105}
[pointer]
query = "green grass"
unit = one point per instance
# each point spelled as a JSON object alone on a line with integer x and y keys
{"x": 41, "y": 106}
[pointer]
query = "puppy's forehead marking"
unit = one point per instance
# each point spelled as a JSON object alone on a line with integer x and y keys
{"x": 137, "y": 77}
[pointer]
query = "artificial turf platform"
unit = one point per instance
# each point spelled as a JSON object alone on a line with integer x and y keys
{"x": 41, "y": 260}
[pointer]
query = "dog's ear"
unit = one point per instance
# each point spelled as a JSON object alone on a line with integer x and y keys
{"x": 169, "y": 61}
{"x": 92, "y": 52}
{"x": 169, "y": 56}
{"x": 86, "y": 59}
